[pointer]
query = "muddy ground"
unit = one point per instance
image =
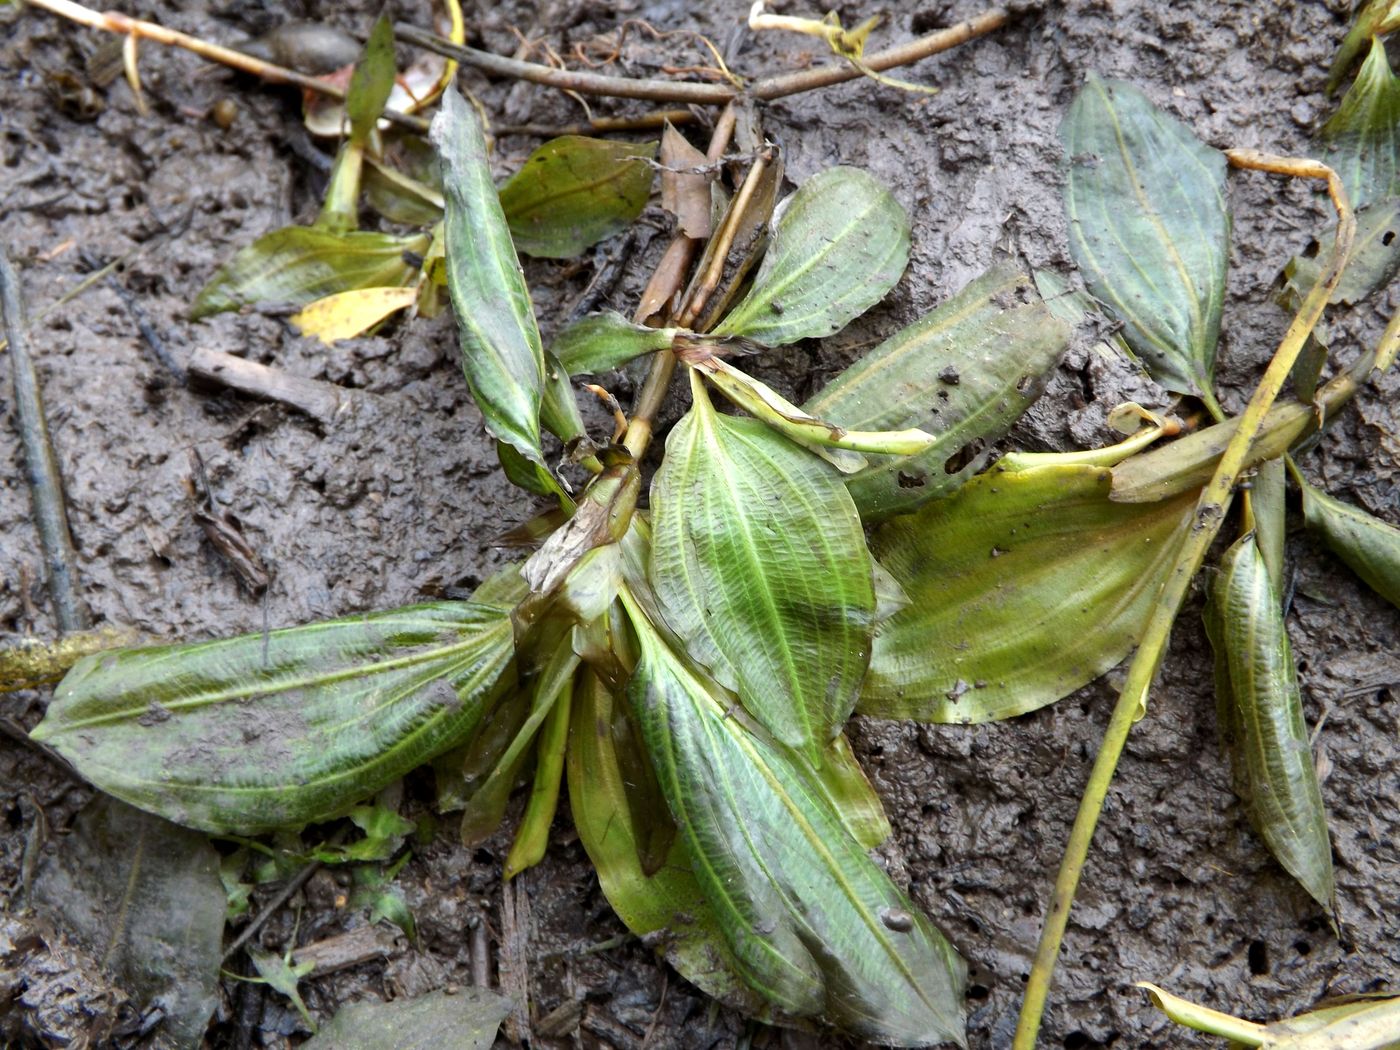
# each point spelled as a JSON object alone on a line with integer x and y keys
{"x": 402, "y": 499}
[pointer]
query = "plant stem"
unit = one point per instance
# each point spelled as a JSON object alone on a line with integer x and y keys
{"x": 116, "y": 22}
{"x": 600, "y": 125}
{"x": 1210, "y": 511}
{"x": 40, "y": 463}
{"x": 765, "y": 89}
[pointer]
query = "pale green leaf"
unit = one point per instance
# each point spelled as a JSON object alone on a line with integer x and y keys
{"x": 839, "y": 244}
{"x": 297, "y": 265}
{"x": 281, "y": 729}
{"x": 1364, "y": 1025}
{"x": 1261, "y": 719}
{"x": 1149, "y": 228}
{"x": 1362, "y": 139}
{"x": 460, "y": 1018}
{"x": 607, "y": 340}
{"x": 574, "y": 191}
{"x": 760, "y": 564}
{"x": 814, "y": 925}
{"x": 372, "y": 80}
{"x": 1371, "y": 547}
{"x": 1023, "y": 586}
{"x": 501, "y": 352}
{"x": 964, "y": 373}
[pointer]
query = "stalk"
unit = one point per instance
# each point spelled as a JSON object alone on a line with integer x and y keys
{"x": 1214, "y": 501}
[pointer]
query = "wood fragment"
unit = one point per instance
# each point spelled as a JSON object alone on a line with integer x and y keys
{"x": 324, "y": 402}
{"x": 41, "y": 465}
{"x": 481, "y": 953}
{"x": 360, "y": 945}
{"x": 513, "y": 966}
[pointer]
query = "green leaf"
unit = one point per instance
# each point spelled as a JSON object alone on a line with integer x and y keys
{"x": 760, "y": 564}
{"x": 614, "y": 813}
{"x": 1261, "y": 720}
{"x": 1360, "y": 140}
{"x": 1203, "y": 1018}
{"x": 501, "y": 352}
{"x": 559, "y": 408}
{"x": 839, "y": 244}
{"x": 1364, "y": 1025}
{"x": 297, "y": 265}
{"x": 815, "y": 926}
{"x": 1372, "y": 264}
{"x": 399, "y": 197}
{"x": 1268, "y": 496}
{"x": 574, "y": 191}
{"x": 964, "y": 373}
{"x": 1374, "y": 18}
{"x": 460, "y": 1018}
{"x": 1149, "y": 227}
{"x": 145, "y": 898}
{"x": 281, "y": 729}
{"x": 279, "y": 974}
{"x": 850, "y": 795}
{"x": 384, "y": 832}
{"x": 1023, "y": 586}
{"x": 604, "y": 341}
{"x": 1370, "y": 547}
{"x": 372, "y": 80}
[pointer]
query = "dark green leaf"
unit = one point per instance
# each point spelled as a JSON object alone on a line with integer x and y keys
{"x": 1373, "y": 262}
{"x": 815, "y": 926}
{"x": 559, "y": 408}
{"x": 1371, "y": 547}
{"x": 607, "y": 340}
{"x": 1023, "y": 586}
{"x": 297, "y": 265}
{"x": 371, "y": 81}
{"x": 759, "y": 562}
{"x": 460, "y": 1018}
{"x": 1149, "y": 228}
{"x": 964, "y": 373}
{"x": 501, "y": 352}
{"x": 575, "y": 191}
{"x": 1261, "y": 720}
{"x": 839, "y": 244}
{"x": 1361, "y": 141}
{"x": 617, "y": 807}
{"x": 144, "y": 897}
{"x": 282, "y": 729}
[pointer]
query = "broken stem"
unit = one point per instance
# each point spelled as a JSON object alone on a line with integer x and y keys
{"x": 40, "y": 463}
{"x": 1209, "y": 514}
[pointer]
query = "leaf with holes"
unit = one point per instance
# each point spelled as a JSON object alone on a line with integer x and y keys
{"x": 838, "y": 246}
{"x": 964, "y": 373}
{"x": 1149, "y": 228}
{"x": 760, "y": 564}
{"x": 1022, "y": 586}
{"x": 281, "y": 729}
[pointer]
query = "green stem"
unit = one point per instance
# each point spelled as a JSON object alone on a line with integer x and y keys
{"x": 1210, "y": 511}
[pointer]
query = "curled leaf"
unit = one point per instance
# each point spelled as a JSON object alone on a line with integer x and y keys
{"x": 839, "y": 244}
{"x": 285, "y": 728}
{"x": 759, "y": 562}
{"x": 1371, "y": 547}
{"x": 1261, "y": 720}
{"x": 501, "y": 352}
{"x": 607, "y": 340}
{"x": 814, "y": 925}
{"x": 963, "y": 373}
{"x": 1149, "y": 228}
{"x": 574, "y": 191}
{"x": 1022, "y": 586}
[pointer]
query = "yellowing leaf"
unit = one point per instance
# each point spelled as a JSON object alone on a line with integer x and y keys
{"x": 348, "y": 314}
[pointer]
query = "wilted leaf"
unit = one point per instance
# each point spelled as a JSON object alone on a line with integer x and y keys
{"x": 1149, "y": 227}
{"x": 760, "y": 564}
{"x": 347, "y": 314}
{"x": 1261, "y": 720}
{"x": 685, "y": 193}
{"x": 1023, "y": 586}
{"x": 574, "y": 191}
{"x": 144, "y": 897}
{"x": 1371, "y": 547}
{"x": 285, "y": 728}
{"x": 615, "y": 813}
{"x": 1360, "y": 140}
{"x": 964, "y": 373}
{"x": 815, "y": 926}
{"x": 501, "y": 352}
{"x": 461, "y": 1018}
{"x": 299, "y": 264}
{"x": 606, "y": 340}
{"x": 839, "y": 244}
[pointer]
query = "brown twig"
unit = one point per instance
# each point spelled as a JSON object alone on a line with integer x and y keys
{"x": 295, "y": 883}
{"x": 600, "y": 125}
{"x": 41, "y": 465}
{"x": 116, "y": 22}
{"x": 324, "y": 402}
{"x": 767, "y": 88}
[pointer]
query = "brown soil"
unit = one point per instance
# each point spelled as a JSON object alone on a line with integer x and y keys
{"x": 403, "y": 500}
